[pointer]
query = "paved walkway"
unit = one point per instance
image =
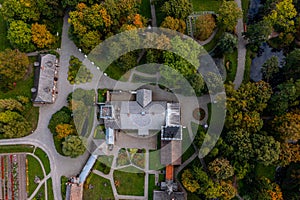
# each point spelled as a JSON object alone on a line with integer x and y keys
{"x": 241, "y": 51}
{"x": 153, "y": 14}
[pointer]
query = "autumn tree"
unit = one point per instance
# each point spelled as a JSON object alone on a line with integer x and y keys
{"x": 19, "y": 34}
{"x": 41, "y": 36}
{"x": 179, "y": 9}
{"x": 205, "y": 25}
{"x": 174, "y": 24}
{"x": 287, "y": 126}
{"x": 221, "y": 168}
{"x": 73, "y": 146}
{"x": 64, "y": 130}
{"x": 13, "y": 65}
{"x": 62, "y": 116}
{"x": 270, "y": 67}
{"x": 289, "y": 153}
{"x": 11, "y": 104}
{"x": 189, "y": 182}
{"x": 229, "y": 13}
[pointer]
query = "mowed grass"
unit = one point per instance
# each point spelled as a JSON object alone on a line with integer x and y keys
{"x": 44, "y": 158}
{"x": 248, "y": 63}
{"x": 232, "y": 58}
{"x": 187, "y": 147}
{"x": 63, "y": 181}
{"x": 50, "y": 189}
{"x": 33, "y": 169}
{"x": 154, "y": 160}
{"x": 265, "y": 171}
{"x": 145, "y": 9}
{"x": 206, "y": 5}
{"x": 101, "y": 188}
{"x": 245, "y": 7}
{"x": 41, "y": 193}
{"x": 16, "y": 148}
{"x": 128, "y": 183}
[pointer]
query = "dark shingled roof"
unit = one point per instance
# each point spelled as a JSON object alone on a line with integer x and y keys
{"x": 170, "y": 152}
{"x": 163, "y": 195}
{"x": 144, "y": 97}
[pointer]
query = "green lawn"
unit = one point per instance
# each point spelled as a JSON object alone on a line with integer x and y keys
{"x": 101, "y": 188}
{"x": 265, "y": 171}
{"x": 99, "y": 132}
{"x": 206, "y": 5}
{"x": 16, "y": 148}
{"x": 104, "y": 163}
{"x": 231, "y": 71}
{"x": 142, "y": 79}
{"x": 63, "y": 181}
{"x": 44, "y": 158}
{"x": 23, "y": 88}
{"x": 248, "y": 62}
{"x": 148, "y": 69}
{"x": 187, "y": 147}
{"x": 136, "y": 180}
{"x": 50, "y": 189}
{"x": 245, "y": 7}
{"x": 212, "y": 44}
{"x": 145, "y": 9}
{"x": 41, "y": 193}
{"x": 154, "y": 160}
{"x": 151, "y": 186}
{"x": 33, "y": 169}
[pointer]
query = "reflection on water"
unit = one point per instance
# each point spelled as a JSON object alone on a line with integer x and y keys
{"x": 263, "y": 55}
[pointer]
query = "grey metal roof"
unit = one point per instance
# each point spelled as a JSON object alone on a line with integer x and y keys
{"x": 163, "y": 195}
{"x": 46, "y": 79}
{"x": 173, "y": 114}
{"x": 143, "y": 97}
{"x": 170, "y": 152}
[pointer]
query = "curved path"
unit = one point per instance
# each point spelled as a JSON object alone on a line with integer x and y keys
{"x": 241, "y": 51}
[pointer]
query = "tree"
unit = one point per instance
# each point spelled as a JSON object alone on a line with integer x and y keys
{"x": 62, "y": 116}
{"x": 289, "y": 153}
{"x": 11, "y": 104}
{"x": 20, "y": 10}
{"x": 13, "y": 125}
{"x": 41, "y": 36}
{"x": 73, "y": 146}
{"x": 281, "y": 18}
{"x": 174, "y": 24}
{"x": 13, "y": 65}
{"x": 189, "y": 182}
{"x": 227, "y": 44}
{"x": 229, "y": 13}
{"x": 257, "y": 34}
{"x": 19, "y": 35}
{"x": 205, "y": 25}
{"x": 291, "y": 69}
{"x": 287, "y": 126}
{"x": 270, "y": 67}
{"x": 64, "y": 130}
{"x": 179, "y": 9}
{"x": 221, "y": 168}
{"x": 266, "y": 149}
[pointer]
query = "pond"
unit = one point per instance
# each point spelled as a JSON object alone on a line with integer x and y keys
{"x": 264, "y": 54}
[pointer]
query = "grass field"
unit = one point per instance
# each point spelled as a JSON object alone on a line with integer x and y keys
{"x": 245, "y": 7}
{"x": 154, "y": 160}
{"x": 145, "y": 9}
{"x": 103, "y": 164}
{"x": 63, "y": 181}
{"x": 136, "y": 180}
{"x": 41, "y": 193}
{"x": 34, "y": 169}
{"x": 151, "y": 186}
{"x": 187, "y": 147}
{"x": 231, "y": 71}
{"x": 50, "y": 189}
{"x": 101, "y": 188}
{"x": 248, "y": 62}
{"x": 16, "y": 148}
{"x": 44, "y": 158}
{"x": 206, "y": 5}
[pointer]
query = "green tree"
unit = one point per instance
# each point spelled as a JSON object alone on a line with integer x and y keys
{"x": 11, "y": 104}
{"x": 205, "y": 25}
{"x": 270, "y": 67}
{"x": 257, "y": 34}
{"x": 20, "y": 10}
{"x": 227, "y": 44}
{"x": 221, "y": 168}
{"x": 174, "y": 24}
{"x": 291, "y": 69}
{"x": 13, "y": 125}
{"x": 19, "y": 35}
{"x": 73, "y": 146}
{"x": 179, "y": 9}
{"x": 13, "y": 65}
{"x": 229, "y": 13}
